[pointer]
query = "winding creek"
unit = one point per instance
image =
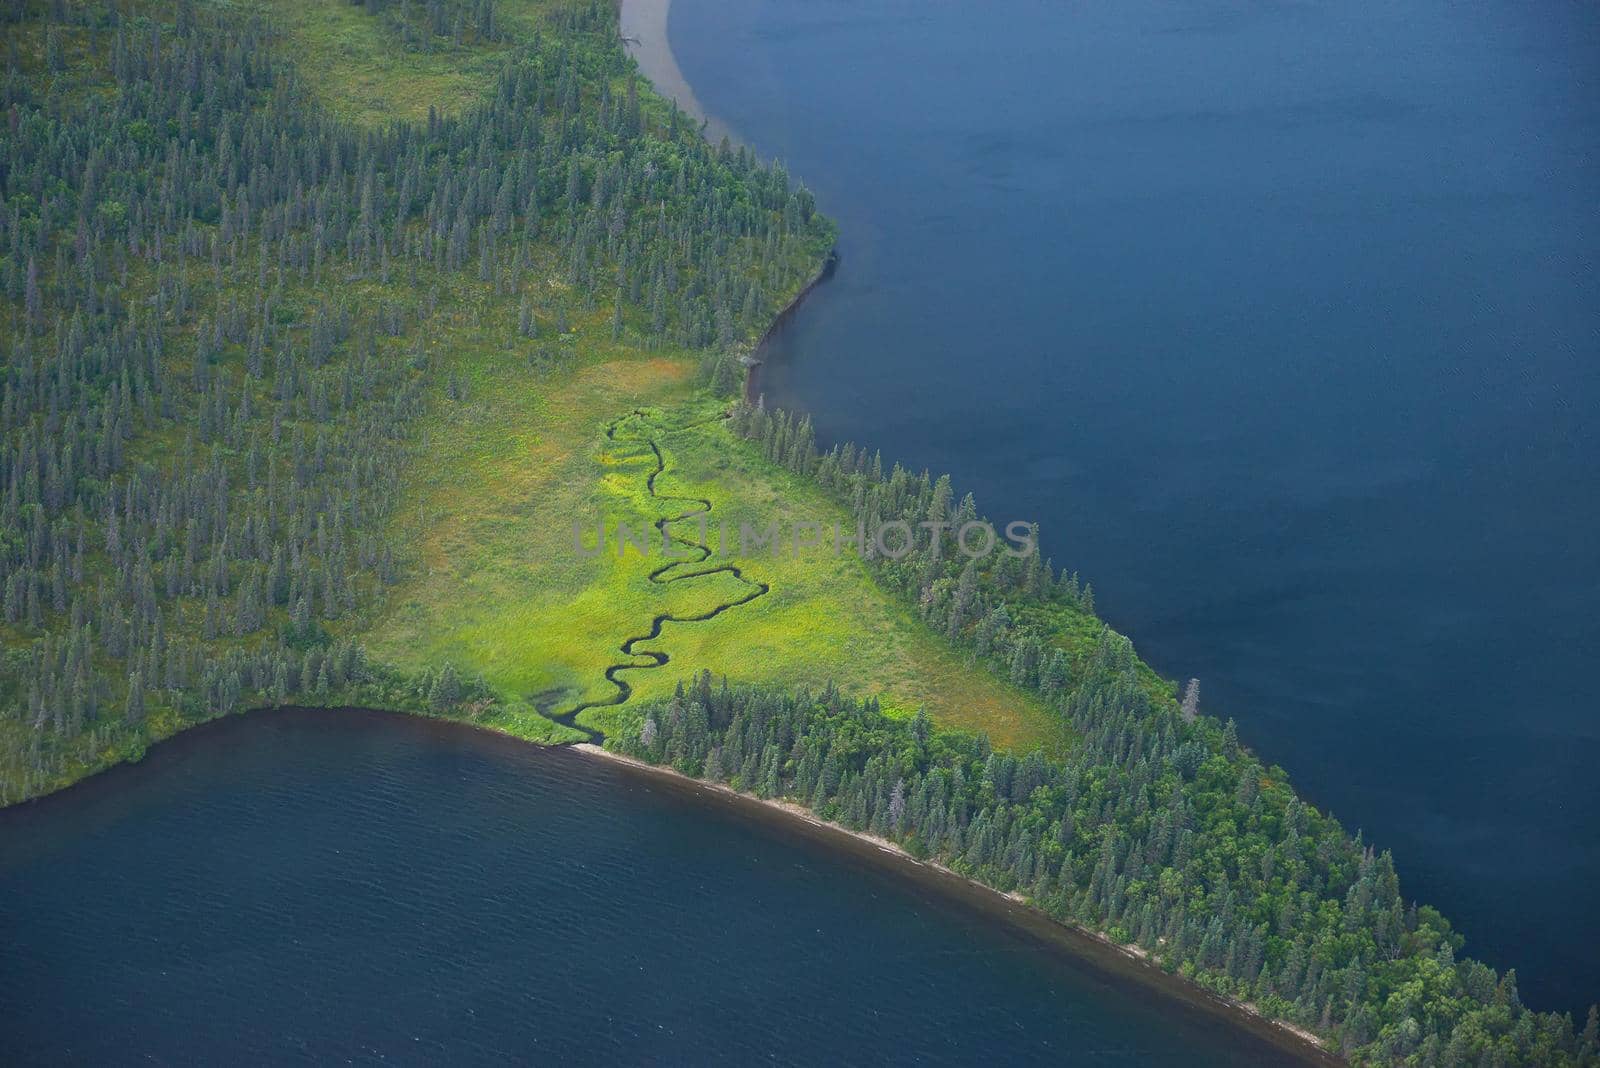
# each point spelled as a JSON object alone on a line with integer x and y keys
{"x": 359, "y": 886}
{"x": 666, "y": 573}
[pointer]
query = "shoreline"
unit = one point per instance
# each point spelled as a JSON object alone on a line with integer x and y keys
{"x": 643, "y": 26}
{"x": 1091, "y": 948}
{"x": 1086, "y": 944}
{"x": 752, "y": 381}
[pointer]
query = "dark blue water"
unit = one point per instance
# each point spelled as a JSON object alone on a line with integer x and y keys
{"x": 364, "y": 887}
{"x": 1283, "y": 319}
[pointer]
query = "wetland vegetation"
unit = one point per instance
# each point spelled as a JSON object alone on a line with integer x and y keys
{"x": 324, "y": 323}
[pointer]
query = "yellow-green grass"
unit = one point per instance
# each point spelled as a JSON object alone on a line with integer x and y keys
{"x": 492, "y": 581}
{"x": 824, "y": 618}
{"x": 363, "y": 70}
{"x": 358, "y": 65}
{"x": 496, "y": 584}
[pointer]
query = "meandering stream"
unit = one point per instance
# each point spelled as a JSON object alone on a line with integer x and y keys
{"x": 666, "y": 573}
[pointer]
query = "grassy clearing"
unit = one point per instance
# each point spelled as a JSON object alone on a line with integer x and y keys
{"x": 494, "y": 584}
{"x": 498, "y": 586}
{"x": 370, "y": 70}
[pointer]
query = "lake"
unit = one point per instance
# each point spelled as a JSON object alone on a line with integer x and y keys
{"x": 1283, "y": 320}
{"x": 361, "y": 886}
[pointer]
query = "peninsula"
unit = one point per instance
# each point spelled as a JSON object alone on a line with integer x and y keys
{"x": 324, "y": 325}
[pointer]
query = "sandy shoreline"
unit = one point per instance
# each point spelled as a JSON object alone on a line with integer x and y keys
{"x": 1135, "y": 960}
{"x": 1085, "y": 945}
{"x": 644, "y": 36}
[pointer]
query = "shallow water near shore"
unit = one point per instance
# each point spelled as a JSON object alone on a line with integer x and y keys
{"x": 360, "y": 885}
{"x": 1283, "y": 320}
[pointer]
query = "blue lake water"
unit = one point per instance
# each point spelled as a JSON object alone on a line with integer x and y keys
{"x": 1283, "y": 319}
{"x": 362, "y": 887}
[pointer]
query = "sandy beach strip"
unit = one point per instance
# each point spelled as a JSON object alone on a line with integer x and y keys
{"x": 1130, "y": 961}
{"x": 644, "y": 35}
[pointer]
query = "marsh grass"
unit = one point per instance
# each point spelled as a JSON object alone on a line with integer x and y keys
{"x": 499, "y": 586}
{"x": 490, "y": 579}
{"x": 365, "y": 69}
{"x": 492, "y": 583}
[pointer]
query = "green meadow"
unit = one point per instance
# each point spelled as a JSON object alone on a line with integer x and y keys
{"x": 500, "y": 586}
{"x": 523, "y": 354}
{"x": 493, "y": 583}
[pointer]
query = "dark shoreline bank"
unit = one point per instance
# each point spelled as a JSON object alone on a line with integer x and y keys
{"x": 1107, "y": 963}
{"x": 752, "y": 382}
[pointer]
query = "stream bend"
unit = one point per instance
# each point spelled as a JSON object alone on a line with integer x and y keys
{"x": 668, "y": 572}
